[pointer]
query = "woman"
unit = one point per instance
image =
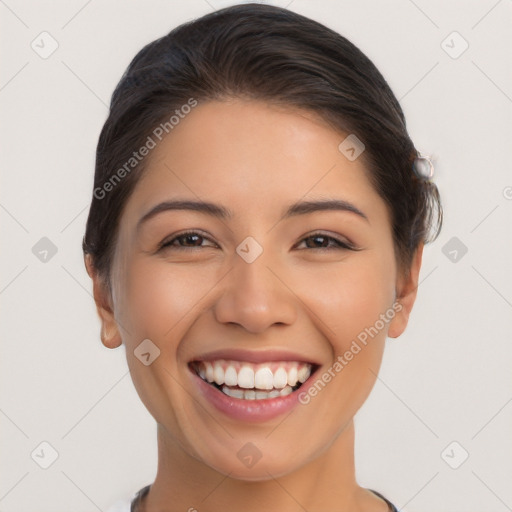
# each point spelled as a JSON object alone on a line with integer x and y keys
{"x": 255, "y": 233}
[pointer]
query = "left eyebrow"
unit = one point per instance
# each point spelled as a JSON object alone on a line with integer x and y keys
{"x": 215, "y": 210}
{"x": 305, "y": 207}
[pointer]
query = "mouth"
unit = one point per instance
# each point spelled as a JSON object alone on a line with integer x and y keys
{"x": 249, "y": 381}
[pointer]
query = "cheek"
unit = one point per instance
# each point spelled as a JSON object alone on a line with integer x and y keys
{"x": 157, "y": 303}
{"x": 159, "y": 298}
{"x": 351, "y": 297}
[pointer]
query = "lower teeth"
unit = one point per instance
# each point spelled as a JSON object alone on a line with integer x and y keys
{"x": 253, "y": 394}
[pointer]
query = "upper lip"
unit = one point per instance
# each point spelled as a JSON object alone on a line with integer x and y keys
{"x": 254, "y": 356}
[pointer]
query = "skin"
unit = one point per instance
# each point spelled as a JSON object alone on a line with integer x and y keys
{"x": 256, "y": 160}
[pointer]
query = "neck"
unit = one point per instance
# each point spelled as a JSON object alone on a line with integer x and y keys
{"x": 325, "y": 483}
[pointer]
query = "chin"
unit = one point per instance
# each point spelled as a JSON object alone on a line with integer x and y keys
{"x": 263, "y": 470}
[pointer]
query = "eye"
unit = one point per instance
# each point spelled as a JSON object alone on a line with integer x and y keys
{"x": 194, "y": 239}
{"x": 186, "y": 240}
{"x": 323, "y": 241}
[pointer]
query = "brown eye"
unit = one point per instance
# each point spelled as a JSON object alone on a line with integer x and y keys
{"x": 188, "y": 240}
{"x": 322, "y": 241}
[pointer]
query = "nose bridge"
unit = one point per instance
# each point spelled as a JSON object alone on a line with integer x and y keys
{"x": 254, "y": 297}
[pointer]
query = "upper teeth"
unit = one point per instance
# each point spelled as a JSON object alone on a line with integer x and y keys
{"x": 265, "y": 376}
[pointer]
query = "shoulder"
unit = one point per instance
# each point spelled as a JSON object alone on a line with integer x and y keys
{"x": 125, "y": 504}
{"x": 391, "y": 507}
{"x": 120, "y": 506}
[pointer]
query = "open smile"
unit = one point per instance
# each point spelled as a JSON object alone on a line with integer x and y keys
{"x": 251, "y": 391}
{"x": 249, "y": 381}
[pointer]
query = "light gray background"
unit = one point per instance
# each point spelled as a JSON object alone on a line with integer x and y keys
{"x": 448, "y": 378}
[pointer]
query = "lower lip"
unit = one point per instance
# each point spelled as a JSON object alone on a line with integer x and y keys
{"x": 248, "y": 410}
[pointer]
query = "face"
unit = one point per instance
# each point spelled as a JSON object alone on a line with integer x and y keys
{"x": 288, "y": 310}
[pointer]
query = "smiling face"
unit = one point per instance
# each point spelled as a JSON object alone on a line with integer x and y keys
{"x": 259, "y": 287}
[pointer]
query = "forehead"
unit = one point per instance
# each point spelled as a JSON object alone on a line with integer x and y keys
{"x": 254, "y": 157}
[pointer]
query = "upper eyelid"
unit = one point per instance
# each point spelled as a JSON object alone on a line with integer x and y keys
{"x": 341, "y": 242}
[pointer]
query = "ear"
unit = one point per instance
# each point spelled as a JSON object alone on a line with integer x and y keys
{"x": 407, "y": 286}
{"x": 110, "y": 336}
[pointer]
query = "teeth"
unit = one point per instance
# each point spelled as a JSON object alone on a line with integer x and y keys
{"x": 246, "y": 377}
{"x": 303, "y": 374}
{"x": 250, "y": 394}
{"x": 235, "y": 393}
{"x": 286, "y": 391}
{"x": 292, "y": 376}
{"x": 209, "y": 373}
{"x": 218, "y": 374}
{"x": 263, "y": 378}
{"x": 259, "y": 381}
{"x": 280, "y": 378}
{"x": 230, "y": 377}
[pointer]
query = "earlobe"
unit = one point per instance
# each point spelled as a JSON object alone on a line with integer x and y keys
{"x": 110, "y": 336}
{"x": 406, "y": 290}
{"x": 111, "y": 339}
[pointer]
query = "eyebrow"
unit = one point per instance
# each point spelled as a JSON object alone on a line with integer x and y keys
{"x": 220, "y": 212}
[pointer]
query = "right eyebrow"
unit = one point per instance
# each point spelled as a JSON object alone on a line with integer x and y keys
{"x": 212, "y": 209}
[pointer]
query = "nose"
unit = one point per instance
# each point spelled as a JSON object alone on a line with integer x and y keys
{"x": 255, "y": 297}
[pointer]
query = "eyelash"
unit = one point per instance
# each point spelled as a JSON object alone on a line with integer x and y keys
{"x": 340, "y": 244}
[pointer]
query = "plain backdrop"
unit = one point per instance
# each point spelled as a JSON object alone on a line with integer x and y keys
{"x": 445, "y": 389}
